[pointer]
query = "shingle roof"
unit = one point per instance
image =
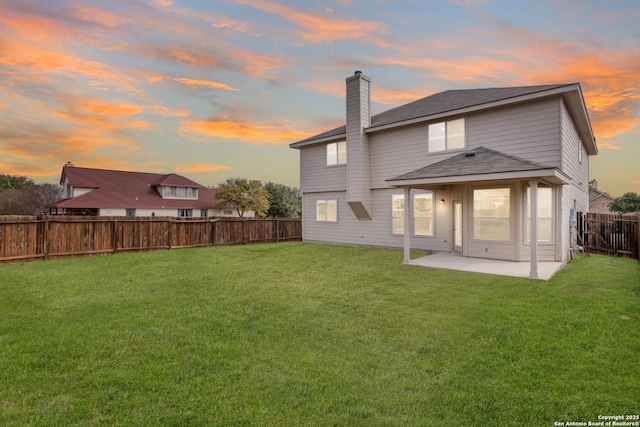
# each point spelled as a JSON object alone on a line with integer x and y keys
{"x": 133, "y": 190}
{"x": 440, "y": 103}
{"x": 479, "y": 161}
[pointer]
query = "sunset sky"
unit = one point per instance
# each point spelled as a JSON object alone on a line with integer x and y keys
{"x": 218, "y": 89}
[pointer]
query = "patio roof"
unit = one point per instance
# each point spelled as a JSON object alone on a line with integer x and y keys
{"x": 479, "y": 164}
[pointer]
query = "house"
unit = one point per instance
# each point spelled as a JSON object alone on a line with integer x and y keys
{"x": 105, "y": 192}
{"x": 477, "y": 172}
{"x": 599, "y": 201}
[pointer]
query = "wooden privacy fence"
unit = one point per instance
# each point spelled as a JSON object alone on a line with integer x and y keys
{"x": 31, "y": 237}
{"x": 609, "y": 234}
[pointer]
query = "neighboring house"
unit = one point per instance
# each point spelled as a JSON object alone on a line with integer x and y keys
{"x": 120, "y": 193}
{"x": 457, "y": 170}
{"x": 599, "y": 201}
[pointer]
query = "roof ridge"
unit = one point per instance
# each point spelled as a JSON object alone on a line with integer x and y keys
{"x": 111, "y": 170}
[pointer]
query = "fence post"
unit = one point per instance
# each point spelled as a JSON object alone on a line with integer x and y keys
{"x": 114, "y": 240}
{"x": 45, "y": 237}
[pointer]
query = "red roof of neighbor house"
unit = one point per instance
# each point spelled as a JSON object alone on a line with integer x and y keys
{"x": 129, "y": 190}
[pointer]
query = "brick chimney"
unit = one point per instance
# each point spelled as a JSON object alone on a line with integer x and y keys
{"x": 358, "y": 118}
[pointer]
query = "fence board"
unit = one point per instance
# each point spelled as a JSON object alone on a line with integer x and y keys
{"x": 30, "y": 237}
{"x": 610, "y": 234}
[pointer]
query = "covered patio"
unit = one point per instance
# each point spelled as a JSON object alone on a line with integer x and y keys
{"x": 484, "y": 168}
{"x": 455, "y": 261}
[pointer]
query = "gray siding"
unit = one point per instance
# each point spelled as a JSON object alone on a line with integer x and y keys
{"x": 571, "y": 146}
{"x": 358, "y": 118}
{"x": 315, "y": 175}
{"x": 530, "y": 131}
{"x": 375, "y": 232}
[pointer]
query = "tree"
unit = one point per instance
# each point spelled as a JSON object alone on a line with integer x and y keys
{"x": 627, "y": 203}
{"x": 29, "y": 200}
{"x": 284, "y": 201}
{"x": 243, "y": 195}
{"x": 14, "y": 181}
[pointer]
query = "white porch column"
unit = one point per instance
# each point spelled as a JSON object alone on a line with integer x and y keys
{"x": 407, "y": 225}
{"x": 533, "y": 231}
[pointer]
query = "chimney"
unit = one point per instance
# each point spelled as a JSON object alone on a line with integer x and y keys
{"x": 69, "y": 164}
{"x": 358, "y": 118}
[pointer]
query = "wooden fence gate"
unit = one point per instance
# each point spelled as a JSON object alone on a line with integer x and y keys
{"x": 609, "y": 234}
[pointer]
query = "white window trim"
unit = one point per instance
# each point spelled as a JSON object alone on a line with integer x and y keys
{"x": 511, "y": 214}
{"x": 526, "y": 215}
{"x": 167, "y": 190}
{"x": 340, "y": 160}
{"x": 413, "y": 214}
{"x": 446, "y": 145}
{"x": 326, "y": 216}
{"x": 580, "y": 150}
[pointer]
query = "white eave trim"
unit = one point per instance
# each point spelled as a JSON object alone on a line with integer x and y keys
{"x": 554, "y": 176}
{"x": 339, "y": 137}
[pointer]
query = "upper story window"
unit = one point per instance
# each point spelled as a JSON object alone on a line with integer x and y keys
{"x": 444, "y": 136}
{"x": 337, "y": 153}
{"x": 580, "y": 150}
{"x": 190, "y": 193}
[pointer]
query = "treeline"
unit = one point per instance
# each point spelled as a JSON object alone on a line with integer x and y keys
{"x": 20, "y": 195}
{"x": 269, "y": 200}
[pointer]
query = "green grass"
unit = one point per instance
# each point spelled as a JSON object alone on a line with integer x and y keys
{"x": 309, "y": 334}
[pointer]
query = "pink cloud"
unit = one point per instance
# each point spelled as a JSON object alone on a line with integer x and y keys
{"x": 252, "y": 133}
{"x": 316, "y": 28}
{"x": 202, "y": 167}
{"x": 204, "y": 83}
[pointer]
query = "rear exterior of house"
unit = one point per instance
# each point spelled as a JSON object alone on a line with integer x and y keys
{"x": 458, "y": 170}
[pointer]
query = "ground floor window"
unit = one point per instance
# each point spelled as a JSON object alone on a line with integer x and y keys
{"x": 185, "y": 213}
{"x": 131, "y": 212}
{"x": 545, "y": 215}
{"x": 203, "y": 212}
{"x": 397, "y": 213}
{"x": 423, "y": 214}
{"x": 492, "y": 214}
{"x": 327, "y": 210}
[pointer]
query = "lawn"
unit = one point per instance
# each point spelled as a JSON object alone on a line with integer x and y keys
{"x": 310, "y": 334}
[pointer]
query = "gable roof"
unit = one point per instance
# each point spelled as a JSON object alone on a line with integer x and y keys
{"x": 594, "y": 193}
{"x": 482, "y": 163}
{"x": 454, "y": 102}
{"x": 134, "y": 190}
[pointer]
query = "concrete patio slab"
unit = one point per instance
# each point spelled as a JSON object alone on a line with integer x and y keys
{"x": 455, "y": 261}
